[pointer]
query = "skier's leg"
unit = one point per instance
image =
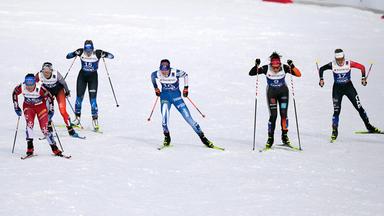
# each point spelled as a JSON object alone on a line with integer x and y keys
{"x": 184, "y": 111}
{"x": 283, "y": 108}
{"x": 29, "y": 114}
{"x": 165, "y": 112}
{"x": 92, "y": 90}
{"x": 272, "y": 106}
{"x": 337, "y": 96}
{"x": 63, "y": 111}
{"x": 80, "y": 90}
{"x": 355, "y": 100}
{"x": 42, "y": 116}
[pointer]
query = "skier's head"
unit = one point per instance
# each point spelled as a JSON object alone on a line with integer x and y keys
{"x": 47, "y": 69}
{"x": 30, "y": 81}
{"x": 88, "y": 47}
{"x": 339, "y": 57}
{"x": 165, "y": 66}
{"x": 275, "y": 61}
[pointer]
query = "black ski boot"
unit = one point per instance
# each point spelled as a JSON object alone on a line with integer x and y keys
{"x": 269, "y": 141}
{"x": 71, "y": 131}
{"x": 206, "y": 142}
{"x": 167, "y": 139}
{"x": 372, "y": 129}
{"x": 56, "y": 151}
{"x": 30, "y": 147}
{"x": 334, "y": 135}
{"x": 285, "y": 139}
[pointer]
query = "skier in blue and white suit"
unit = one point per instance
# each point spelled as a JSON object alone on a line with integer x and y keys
{"x": 170, "y": 94}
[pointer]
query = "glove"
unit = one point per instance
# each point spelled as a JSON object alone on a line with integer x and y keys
{"x": 321, "y": 83}
{"x": 18, "y": 111}
{"x": 364, "y": 81}
{"x": 185, "y": 91}
{"x": 78, "y": 51}
{"x": 290, "y": 63}
{"x": 157, "y": 91}
{"x": 68, "y": 93}
{"x": 257, "y": 62}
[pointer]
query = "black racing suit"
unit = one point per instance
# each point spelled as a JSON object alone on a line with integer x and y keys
{"x": 88, "y": 76}
{"x": 343, "y": 86}
{"x": 277, "y": 93}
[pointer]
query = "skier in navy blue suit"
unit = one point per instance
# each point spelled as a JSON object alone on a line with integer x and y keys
{"x": 88, "y": 76}
{"x": 170, "y": 94}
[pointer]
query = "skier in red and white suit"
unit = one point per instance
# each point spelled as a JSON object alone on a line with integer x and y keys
{"x": 35, "y": 98}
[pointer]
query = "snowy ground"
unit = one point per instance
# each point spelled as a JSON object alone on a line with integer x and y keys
{"x": 121, "y": 172}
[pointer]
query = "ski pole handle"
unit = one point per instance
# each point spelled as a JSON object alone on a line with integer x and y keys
{"x": 196, "y": 107}
{"x": 153, "y": 108}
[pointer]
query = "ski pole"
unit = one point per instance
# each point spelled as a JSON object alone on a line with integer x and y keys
{"x": 70, "y": 67}
{"x": 369, "y": 70}
{"x": 58, "y": 138}
{"x": 14, "y": 139}
{"x": 254, "y": 121}
{"x": 110, "y": 82}
{"x": 196, "y": 107}
{"x": 153, "y": 108}
{"x": 70, "y": 105}
{"x": 294, "y": 105}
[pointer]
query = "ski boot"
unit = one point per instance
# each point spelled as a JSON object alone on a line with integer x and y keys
{"x": 50, "y": 128}
{"x": 372, "y": 129}
{"x": 72, "y": 131}
{"x": 285, "y": 140}
{"x": 206, "y": 142}
{"x": 95, "y": 124}
{"x": 269, "y": 142}
{"x": 76, "y": 122}
{"x": 167, "y": 139}
{"x": 56, "y": 151}
{"x": 29, "y": 147}
{"x": 334, "y": 134}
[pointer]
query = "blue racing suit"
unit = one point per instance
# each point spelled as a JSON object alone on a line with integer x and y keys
{"x": 170, "y": 94}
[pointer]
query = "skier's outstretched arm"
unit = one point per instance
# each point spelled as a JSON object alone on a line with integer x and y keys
{"x": 104, "y": 54}
{"x": 73, "y": 54}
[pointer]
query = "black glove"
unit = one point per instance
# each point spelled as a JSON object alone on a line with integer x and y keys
{"x": 290, "y": 63}
{"x": 185, "y": 91}
{"x": 257, "y": 62}
{"x": 321, "y": 83}
{"x": 78, "y": 51}
{"x": 364, "y": 81}
{"x": 67, "y": 93}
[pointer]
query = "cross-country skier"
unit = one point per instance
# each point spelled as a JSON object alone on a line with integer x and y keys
{"x": 35, "y": 98}
{"x": 54, "y": 82}
{"x": 88, "y": 76}
{"x": 170, "y": 95}
{"x": 342, "y": 85}
{"x": 277, "y": 93}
